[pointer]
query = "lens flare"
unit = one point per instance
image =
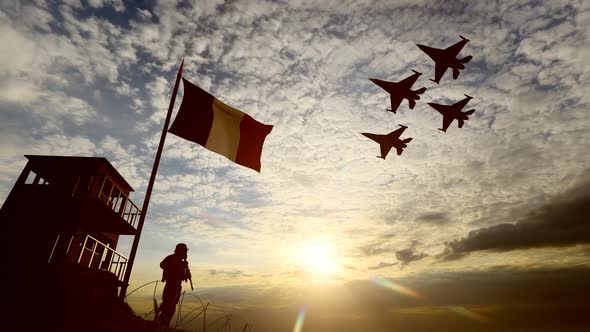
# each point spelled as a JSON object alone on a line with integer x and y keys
{"x": 469, "y": 314}
{"x": 396, "y": 287}
{"x": 299, "y": 320}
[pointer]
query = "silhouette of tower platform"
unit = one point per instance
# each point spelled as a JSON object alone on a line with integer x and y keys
{"x": 68, "y": 210}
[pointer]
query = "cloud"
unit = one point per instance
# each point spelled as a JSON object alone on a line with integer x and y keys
{"x": 381, "y": 265}
{"x": 18, "y": 92}
{"x": 406, "y": 256}
{"x": 435, "y": 218}
{"x": 19, "y": 50}
{"x": 563, "y": 221}
{"x": 229, "y": 274}
{"x": 116, "y": 4}
{"x": 373, "y": 249}
{"x": 144, "y": 13}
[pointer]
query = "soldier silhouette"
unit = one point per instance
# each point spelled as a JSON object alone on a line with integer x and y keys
{"x": 175, "y": 271}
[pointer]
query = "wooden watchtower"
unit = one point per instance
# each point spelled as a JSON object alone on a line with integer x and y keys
{"x": 69, "y": 210}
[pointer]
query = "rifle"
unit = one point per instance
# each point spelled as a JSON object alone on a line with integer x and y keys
{"x": 190, "y": 277}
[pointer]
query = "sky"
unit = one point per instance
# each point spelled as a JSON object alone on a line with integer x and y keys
{"x": 482, "y": 228}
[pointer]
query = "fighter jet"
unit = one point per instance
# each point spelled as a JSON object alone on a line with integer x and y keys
{"x": 401, "y": 90}
{"x": 390, "y": 140}
{"x": 453, "y": 112}
{"x": 446, "y": 58}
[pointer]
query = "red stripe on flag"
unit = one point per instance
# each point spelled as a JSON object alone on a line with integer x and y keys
{"x": 252, "y": 135}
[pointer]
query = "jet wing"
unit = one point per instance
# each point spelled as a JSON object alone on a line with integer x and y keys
{"x": 442, "y": 109}
{"x": 461, "y": 104}
{"x": 375, "y": 137}
{"x": 453, "y": 50}
{"x": 395, "y": 102}
{"x": 409, "y": 81}
{"x": 385, "y": 150}
{"x": 396, "y": 133}
{"x": 447, "y": 120}
{"x": 385, "y": 85}
{"x": 433, "y": 53}
{"x": 439, "y": 71}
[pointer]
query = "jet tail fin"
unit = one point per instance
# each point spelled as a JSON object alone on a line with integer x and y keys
{"x": 456, "y": 73}
{"x": 461, "y": 123}
{"x": 466, "y": 59}
{"x": 469, "y": 112}
{"x": 412, "y": 103}
{"x": 420, "y": 91}
{"x": 407, "y": 140}
{"x": 399, "y": 151}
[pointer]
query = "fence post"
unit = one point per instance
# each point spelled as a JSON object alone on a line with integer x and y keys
{"x": 82, "y": 250}
{"x": 205, "y": 318}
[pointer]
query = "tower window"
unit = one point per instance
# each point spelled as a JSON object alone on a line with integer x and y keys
{"x": 31, "y": 178}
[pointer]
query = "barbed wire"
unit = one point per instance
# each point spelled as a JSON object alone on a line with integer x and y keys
{"x": 140, "y": 287}
{"x": 181, "y": 320}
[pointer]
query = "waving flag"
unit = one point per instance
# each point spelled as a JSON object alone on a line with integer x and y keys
{"x": 220, "y": 128}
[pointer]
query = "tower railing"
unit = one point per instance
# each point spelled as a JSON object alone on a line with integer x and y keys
{"x": 112, "y": 195}
{"x": 91, "y": 253}
{"x": 95, "y": 254}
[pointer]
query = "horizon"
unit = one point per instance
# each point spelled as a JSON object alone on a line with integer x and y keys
{"x": 484, "y": 227}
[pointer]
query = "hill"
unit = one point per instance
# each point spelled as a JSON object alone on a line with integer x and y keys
{"x": 72, "y": 298}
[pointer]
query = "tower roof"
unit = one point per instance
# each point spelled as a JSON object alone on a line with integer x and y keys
{"x": 57, "y": 166}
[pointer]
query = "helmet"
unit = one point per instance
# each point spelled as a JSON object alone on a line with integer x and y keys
{"x": 180, "y": 247}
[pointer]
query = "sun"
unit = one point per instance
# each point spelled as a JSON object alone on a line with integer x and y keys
{"x": 316, "y": 258}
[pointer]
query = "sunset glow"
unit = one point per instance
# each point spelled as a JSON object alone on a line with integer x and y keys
{"x": 317, "y": 258}
{"x": 483, "y": 219}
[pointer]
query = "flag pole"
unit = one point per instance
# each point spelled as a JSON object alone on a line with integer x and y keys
{"x": 148, "y": 193}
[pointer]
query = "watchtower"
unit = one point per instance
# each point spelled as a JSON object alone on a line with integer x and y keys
{"x": 69, "y": 210}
